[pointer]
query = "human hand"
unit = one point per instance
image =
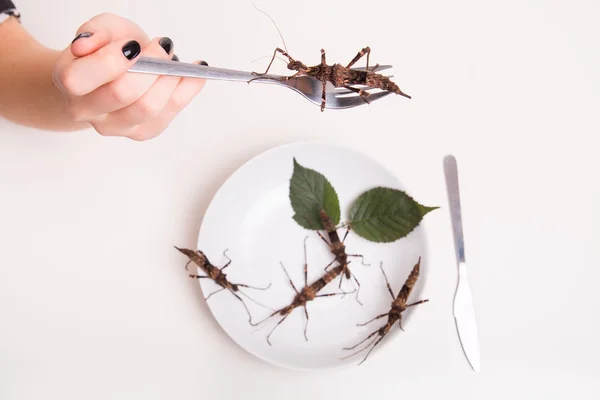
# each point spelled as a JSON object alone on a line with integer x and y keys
{"x": 92, "y": 75}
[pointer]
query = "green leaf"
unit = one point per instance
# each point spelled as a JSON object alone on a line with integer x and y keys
{"x": 311, "y": 192}
{"x": 385, "y": 215}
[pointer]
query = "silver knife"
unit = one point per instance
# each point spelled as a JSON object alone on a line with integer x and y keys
{"x": 464, "y": 311}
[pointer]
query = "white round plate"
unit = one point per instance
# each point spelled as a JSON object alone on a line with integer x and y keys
{"x": 251, "y": 218}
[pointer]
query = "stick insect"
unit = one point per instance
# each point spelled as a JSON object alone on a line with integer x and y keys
{"x": 218, "y": 276}
{"x": 308, "y": 293}
{"x": 338, "y": 248}
{"x": 394, "y": 315}
{"x": 336, "y": 74}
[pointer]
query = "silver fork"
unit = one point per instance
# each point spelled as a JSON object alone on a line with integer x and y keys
{"x": 309, "y": 87}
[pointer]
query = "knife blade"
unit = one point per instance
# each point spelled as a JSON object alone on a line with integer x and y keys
{"x": 463, "y": 309}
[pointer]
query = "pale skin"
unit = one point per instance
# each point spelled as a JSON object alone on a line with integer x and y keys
{"x": 86, "y": 84}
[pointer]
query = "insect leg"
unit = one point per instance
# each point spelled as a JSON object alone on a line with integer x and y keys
{"x": 358, "y": 290}
{"x": 372, "y": 348}
{"x": 267, "y": 318}
{"x": 324, "y": 94}
{"x": 418, "y": 302}
{"x": 346, "y": 234}
{"x": 272, "y": 330}
{"x": 323, "y": 237}
{"x": 280, "y": 79}
{"x": 290, "y": 279}
{"x": 245, "y": 306}
{"x": 333, "y": 294}
{"x": 305, "y": 268}
{"x": 362, "y": 93}
{"x": 374, "y": 344}
{"x": 410, "y": 305}
{"x": 220, "y": 290}
{"x": 386, "y": 282}
{"x": 228, "y": 262}
{"x": 374, "y": 319}
{"x": 198, "y": 276}
{"x": 342, "y": 277}
{"x": 272, "y": 59}
{"x": 360, "y": 54}
{"x": 361, "y": 342}
{"x": 362, "y": 258}
{"x": 301, "y": 72}
{"x": 318, "y": 233}
{"x": 306, "y": 325}
{"x": 254, "y": 287}
{"x": 324, "y": 81}
{"x": 329, "y": 265}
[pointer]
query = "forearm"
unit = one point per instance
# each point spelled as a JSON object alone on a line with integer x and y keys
{"x": 28, "y": 95}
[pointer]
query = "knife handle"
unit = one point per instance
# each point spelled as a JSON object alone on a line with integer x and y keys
{"x": 451, "y": 172}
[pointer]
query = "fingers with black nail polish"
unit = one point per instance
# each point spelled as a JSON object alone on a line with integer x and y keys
{"x": 166, "y": 44}
{"x": 203, "y": 63}
{"x": 175, "y": 58}
{"x": 131, "y": 49}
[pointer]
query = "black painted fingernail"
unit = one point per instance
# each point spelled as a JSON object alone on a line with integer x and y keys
{"x": 175, "y": 58}
{"x": 82, "y": 35}
{"x": 203, "y": 63}
{"x": 166, "y": 44}
{"x": 131, "y": 49}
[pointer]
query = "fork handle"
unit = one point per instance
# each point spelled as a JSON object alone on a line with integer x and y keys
{"x": 147, "y": 65}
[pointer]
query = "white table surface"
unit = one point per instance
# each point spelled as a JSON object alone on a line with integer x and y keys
{"x": 93, "y": 300}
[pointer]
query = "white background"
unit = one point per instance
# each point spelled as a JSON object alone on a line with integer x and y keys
{"x": 94, "y": 303}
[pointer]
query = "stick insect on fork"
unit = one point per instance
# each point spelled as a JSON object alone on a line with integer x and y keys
{"x": 394, "y": 315}
{"x": 336, "y": 74}
{"x": 308, "y": 293}
{"x": 219, "y": 277}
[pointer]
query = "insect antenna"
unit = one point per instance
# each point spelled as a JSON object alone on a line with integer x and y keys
{"x": 275, "y": 327}
{"x": 255, "y": 301}
{"x": 245, "y": 306}
{"x": 359, "y": 343}
{"x": 210, "y": 295}
{"x": 375, "y": 341}
{"x": 267, "y": 318}
{"x": 276, "y": 27}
